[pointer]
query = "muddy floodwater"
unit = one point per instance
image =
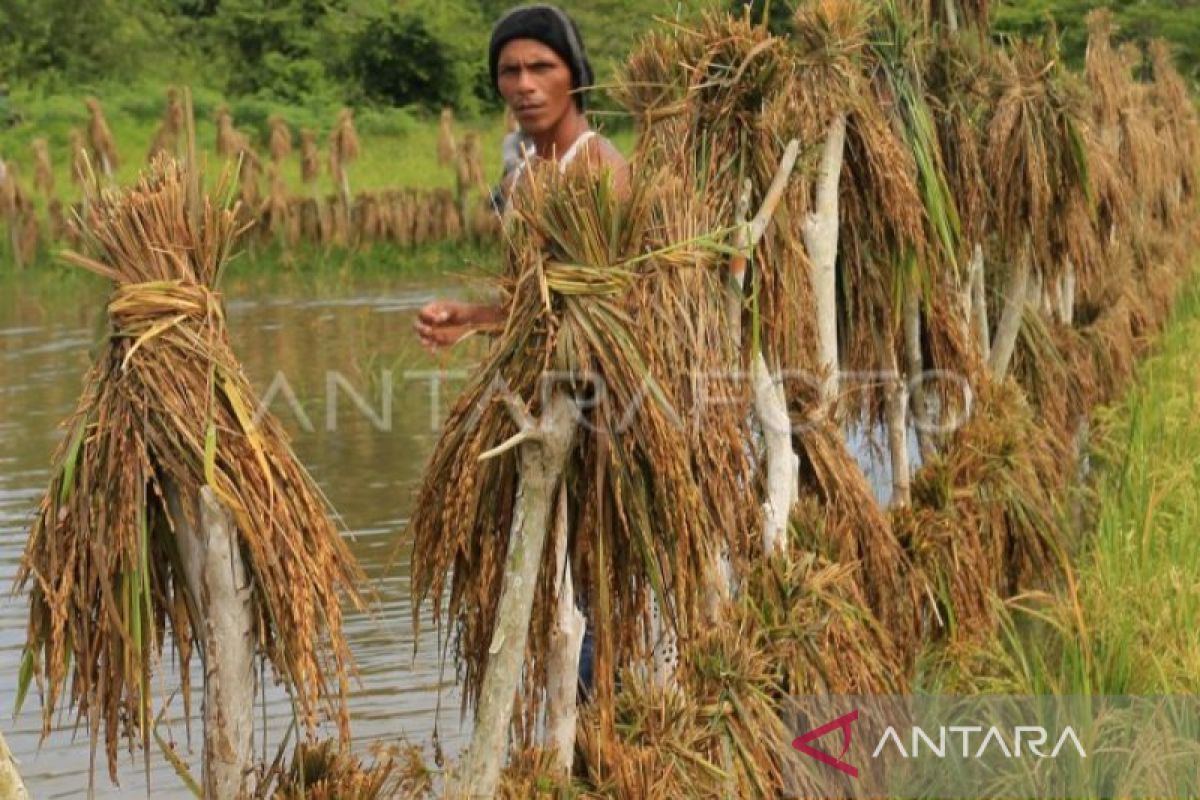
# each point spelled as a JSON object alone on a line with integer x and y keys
{"x": 335, "y": 356}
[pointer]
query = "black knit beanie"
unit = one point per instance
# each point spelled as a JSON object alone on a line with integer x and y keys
{"x": 552, "y": 27}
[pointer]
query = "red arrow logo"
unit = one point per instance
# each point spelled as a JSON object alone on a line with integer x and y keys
{"x": 801, "y": 743}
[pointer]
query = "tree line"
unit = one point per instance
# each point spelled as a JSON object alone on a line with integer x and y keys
{"x": 427, "y": 53}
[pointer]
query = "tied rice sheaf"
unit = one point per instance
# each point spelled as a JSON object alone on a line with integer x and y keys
{"x": 166, "y": 410}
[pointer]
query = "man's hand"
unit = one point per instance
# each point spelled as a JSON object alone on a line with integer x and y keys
{"x": 442, "y": 323}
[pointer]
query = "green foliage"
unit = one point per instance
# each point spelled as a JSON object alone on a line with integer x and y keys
{"x": 778, "y": 13}
{"x": 426, "y": 53}
{"x": 279, "y": 48}
{"x": 1137, "y": 20}
{"x": 54, "y": 42}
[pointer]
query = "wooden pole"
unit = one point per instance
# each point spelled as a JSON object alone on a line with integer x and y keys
{"x": 1015, "y": 295}
{"x": 979, "y": 311}
{"x": 915, "y": 367}
{"x": 896, "y": 403}
{"x": 218, "y": 582}
{"x": 542, "y": 448}
{"x": 770, "y": 404}
{"x": 11, "y": 785}
{"x": 821, "y": 239}
{"x": 566, "y": 639}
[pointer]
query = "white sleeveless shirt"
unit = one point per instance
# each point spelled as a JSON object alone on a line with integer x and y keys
{"x": 563, "y": 161}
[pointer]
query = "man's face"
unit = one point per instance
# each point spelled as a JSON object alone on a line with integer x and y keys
{"x": 535, "y": 83}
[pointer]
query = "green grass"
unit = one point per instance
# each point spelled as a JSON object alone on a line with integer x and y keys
{"x": 1128, "y": 624}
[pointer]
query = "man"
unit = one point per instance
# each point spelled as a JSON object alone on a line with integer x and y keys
{"x": 539, "y": 66}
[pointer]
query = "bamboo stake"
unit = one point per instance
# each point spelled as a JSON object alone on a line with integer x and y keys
{"x": 11, "y": 785}
{"x": 218, "y": 583}
{"x": 821, "y": 239}
{"x": 566, "y": 639}
{"x": 542, "y": 446}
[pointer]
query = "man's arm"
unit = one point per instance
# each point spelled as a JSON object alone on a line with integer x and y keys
{"x": 444, "y": 322}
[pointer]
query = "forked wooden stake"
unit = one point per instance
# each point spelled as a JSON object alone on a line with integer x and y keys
{"x": 770, "y": 404}
{"x": 542, "y": 446}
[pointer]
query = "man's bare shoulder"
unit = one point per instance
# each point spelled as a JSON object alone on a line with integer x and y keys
{"x": 601, "y": 152}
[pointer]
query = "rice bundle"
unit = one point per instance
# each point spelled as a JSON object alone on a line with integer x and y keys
{"x": 281, "y": 138}
{"x": 8, "y": 190}
{"x": 166, "y": 136}
{"x": 166, "y": 405}
{"x": 450, "y": 226}
{"x": 59, "y": 229}
{"x": 720, "y": 730}
{"x": 1176, "y": 123}
{"x": 473, "y": 160}
{"x": 325, "y": 771}
{"x": 100, "y": 139}
{"x": 1035, "y": 151}
{"x": 365, "y": 217}
{"x": 343, "y": 147}
{"x": 277, "y": 216}
{"x": 446, "y": 149}
{"x": 18, "y": 211}
{"x": 987, "y": 514}
{"x": 249, "y": 170}
{"x": 79, "y": 158}
{"x": 404, "y": 218}
{"x": 622, "y": 311}
{"x": 230, "y": 141}
{"x": 43, "y": 173}
{"x": 310, "y": 157}
{"x": 924, "y": 124}
{"x": 715, "y": 101}
{"x": 30, "y": 237}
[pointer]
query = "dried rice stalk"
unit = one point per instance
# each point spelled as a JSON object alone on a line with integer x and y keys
{"x": 325, "y": 771}
{"x": 310, "y": 157}
{"x": 281, "y": 138}
{"x": 230, "y": 141}
{"x": 100, "y": 139}
{"x": 43, "y": 173}
{"x": 446, "y": 149}
{"x": 166, "y": 136}
{"x": 343, "y": 149}
{"x": 166, "y": 401}
{"x": 79, "y": 158}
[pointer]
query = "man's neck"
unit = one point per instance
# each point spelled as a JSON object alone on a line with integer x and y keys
{"x": 556, "y": 141}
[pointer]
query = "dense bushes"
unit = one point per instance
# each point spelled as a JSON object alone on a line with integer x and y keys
{"x": 430, "y": 54}
{"x": 427, "y": 52}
